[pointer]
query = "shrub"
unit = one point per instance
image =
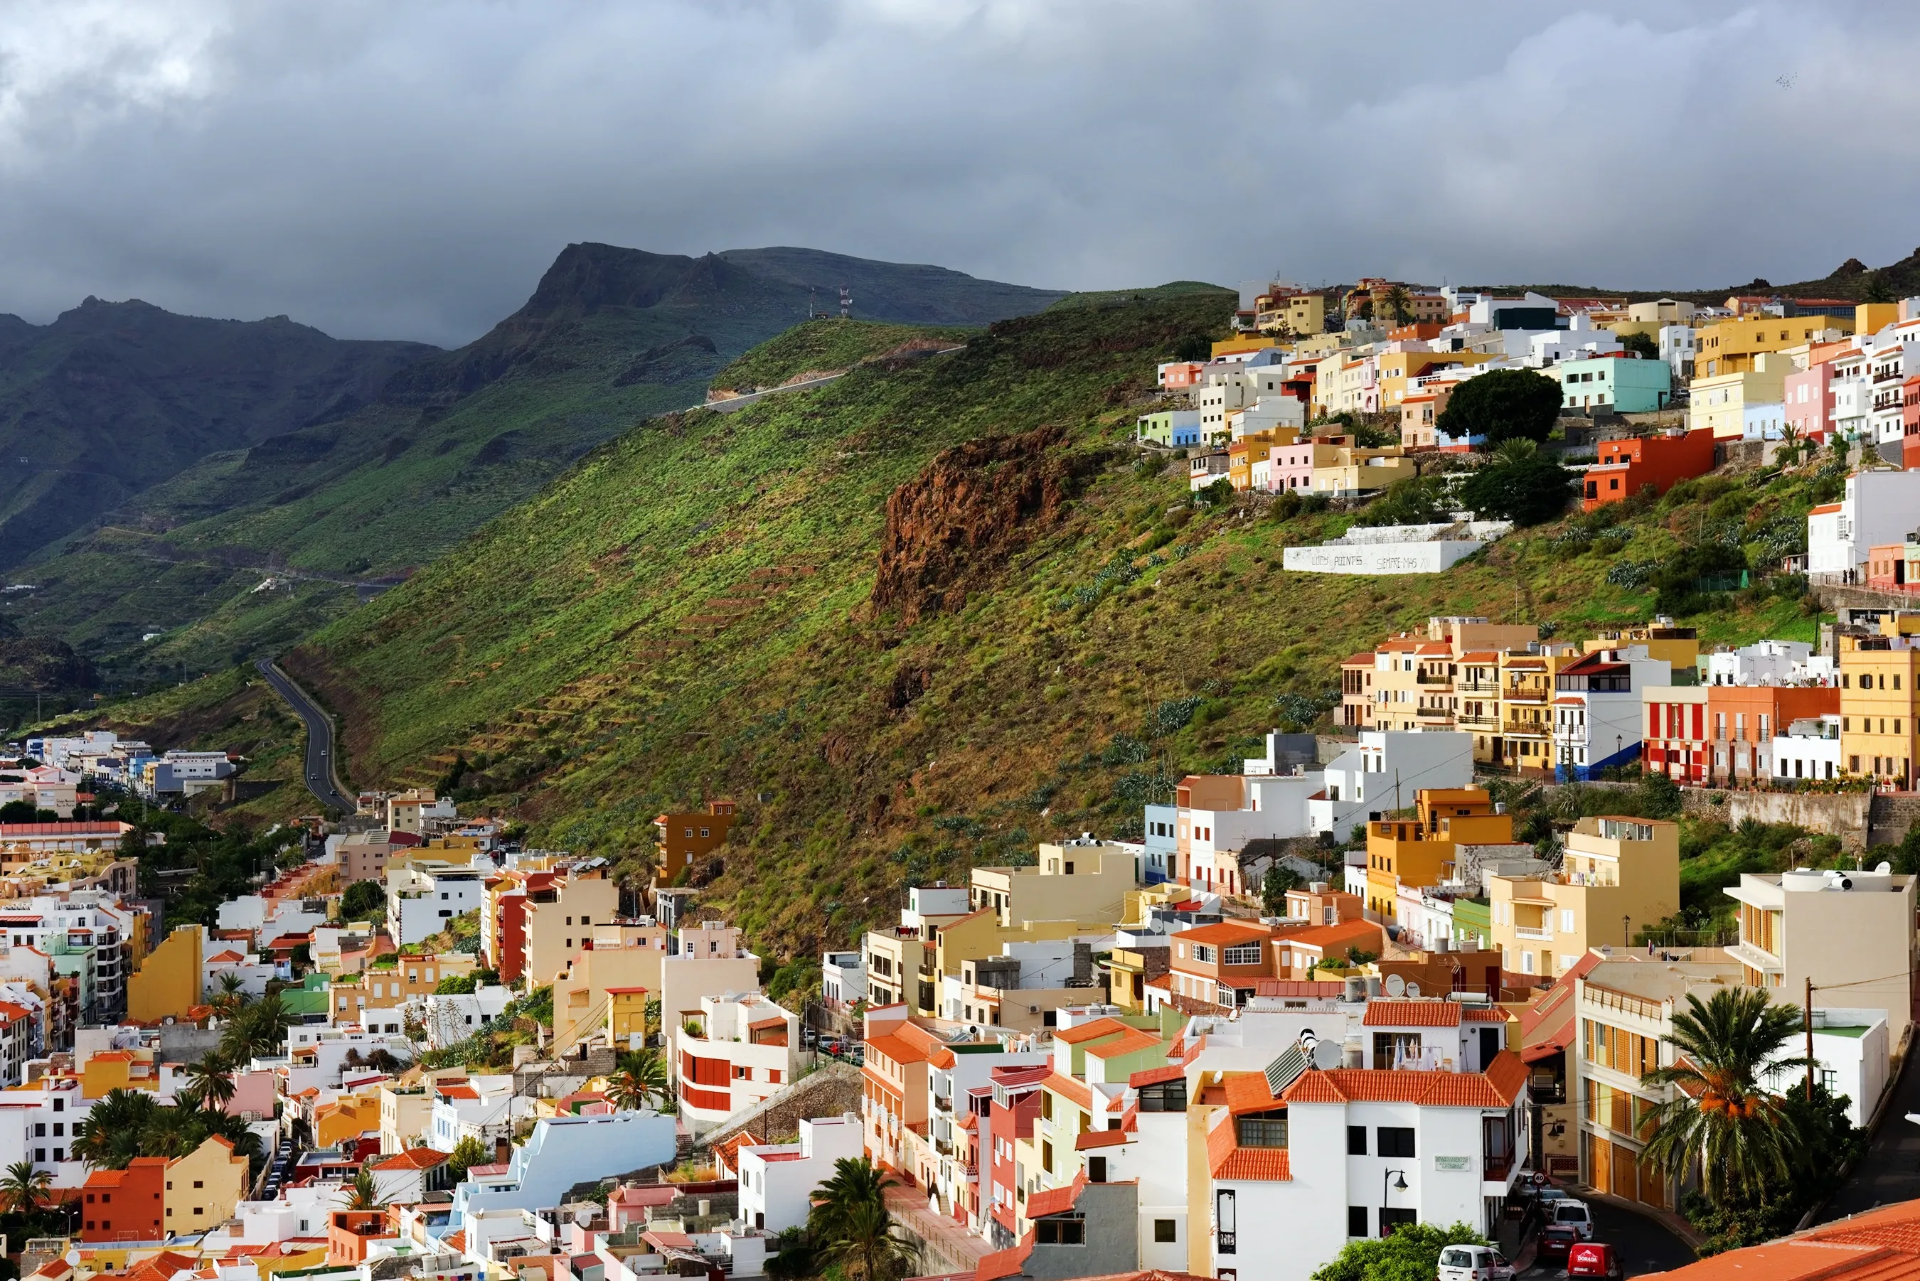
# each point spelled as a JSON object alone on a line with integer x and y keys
{"x": 1529, "y": 492}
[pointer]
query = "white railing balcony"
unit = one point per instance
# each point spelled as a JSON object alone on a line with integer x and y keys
{"x": 1531, "y": 932}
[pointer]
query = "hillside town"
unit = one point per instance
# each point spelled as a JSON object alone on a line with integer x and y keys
{"x": 1372, "y": 979}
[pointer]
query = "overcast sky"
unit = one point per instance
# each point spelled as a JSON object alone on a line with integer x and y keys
{"x": 406, "y": 170}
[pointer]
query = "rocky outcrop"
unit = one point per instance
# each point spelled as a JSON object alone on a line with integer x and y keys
{"x": 952, "y": 527}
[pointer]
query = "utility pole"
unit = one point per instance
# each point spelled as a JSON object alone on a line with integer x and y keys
{"x": 1806, "y": 1021}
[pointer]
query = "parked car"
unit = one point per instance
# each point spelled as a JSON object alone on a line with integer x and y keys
{"x": 1473, "y": 1263}
{"x": 1556, "y": 1241}
{"x": 1593, "y": 1259}
{"x": 1573, "y": 1214}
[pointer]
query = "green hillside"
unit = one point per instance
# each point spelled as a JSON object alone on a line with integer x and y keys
{"x": 919, "y": 618}
{"x": 333, "y": 505}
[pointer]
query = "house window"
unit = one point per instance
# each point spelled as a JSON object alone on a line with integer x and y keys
{"x": 1356, "y": 1220}
{"x": 1357, "y": 1146}
{"x": 1166, "y": 1231}
{"x": 1393, "y": 1140}
{"x": 1060, "y": 1229}
{"x": 1391, "y": 1220}
{"x": 1242, "y": 954}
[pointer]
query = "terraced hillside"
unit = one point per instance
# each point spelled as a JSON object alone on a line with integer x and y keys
{"x": 924, "y": 617}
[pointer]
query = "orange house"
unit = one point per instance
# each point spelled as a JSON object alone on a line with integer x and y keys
{"x": 1891, "y": 567}
{"x": 125, "y": 1205}
{"x": 348, "y": 1232}
{"x": 686, "y": 837}
{"x": 1626, "y": 466}
{"x": 1743, "y": 720}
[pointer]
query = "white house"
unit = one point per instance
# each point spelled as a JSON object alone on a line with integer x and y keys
{"x": 1352, "y": 1153}
{"x": 475, "y": 1107}
{"x": 777, "y": 1180}
{"x": 745, "y": 1050}
{"x": 1878, "y": 507}
{"x": 563, "y": 1151}
{"x": 843, "y": 977}
{"x": 1771, "y": 662}
{"x": 1850, "y": 1049}
{"x": 1384, "y": 771}
{"x": 1597, "y": 719}
{"x": 451, "y": 1017}
{"x": 1809, "y": 749}
{"x": 1676, "y": 348}
{"x": 423, "y": 897}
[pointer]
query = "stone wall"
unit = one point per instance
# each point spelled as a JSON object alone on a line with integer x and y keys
{"x": 1841, "y": 814}
{"x": 831, "y": 1091}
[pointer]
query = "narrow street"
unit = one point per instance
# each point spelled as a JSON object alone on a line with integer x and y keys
{"x": 1890, "y": 1171}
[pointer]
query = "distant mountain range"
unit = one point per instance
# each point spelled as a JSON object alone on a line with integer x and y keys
{"x": 172, "y": 460}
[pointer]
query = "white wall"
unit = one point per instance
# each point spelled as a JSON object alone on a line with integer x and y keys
{"x": 776, "y": 1195}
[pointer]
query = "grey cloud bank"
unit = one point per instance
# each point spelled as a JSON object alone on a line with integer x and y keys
{"x": 407, "y": 170}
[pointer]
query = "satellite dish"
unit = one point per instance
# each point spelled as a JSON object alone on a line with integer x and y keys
{"x": 1395, "y": 985}
{"x": 1327, "y": 1056}
{"x": 1413, "y": 989}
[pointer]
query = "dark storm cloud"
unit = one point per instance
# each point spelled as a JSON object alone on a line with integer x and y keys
{"x": 406, "y": 170}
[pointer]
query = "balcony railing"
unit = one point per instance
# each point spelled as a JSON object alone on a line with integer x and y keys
{"x": 1531, "y": 932}
{"x": 1496, "y": 1167}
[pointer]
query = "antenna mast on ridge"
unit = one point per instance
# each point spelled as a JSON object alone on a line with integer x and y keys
{"x": 846, "y": 302}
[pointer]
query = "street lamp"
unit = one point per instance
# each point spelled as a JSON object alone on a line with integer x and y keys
{"x": 1626, "y": 931}
{"x": 1398, "y": 1184}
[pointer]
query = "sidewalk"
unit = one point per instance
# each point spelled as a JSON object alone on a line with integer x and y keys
{"x": 945, "y": 1243}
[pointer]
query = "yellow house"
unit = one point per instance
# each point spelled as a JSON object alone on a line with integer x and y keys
{"x": 1735, "y": 345}
{"x": 560, "y": 918}
{"x": 1083, "y": 881}
{"x": 1321, "y": 346}
{"x": 1679, "y": 646}
{"x": 204, "y": 1187}
{"x": 1878, "y": 698}
{"x": 1619, "y": 875}
{"x": 168, "y": 983}
{"x": 1398, "y": 370}
{"x": 1872, "y": 317}
{"x": 1353, "y": 469}
{"x": 345, "y": 1118}
{"x": 1719, "y": 403}
{"x": 1421, "y": 851}
{"x": 1242, "y": 346}
{"x": 1296, "y": 313}
{"x": 406, "y": 1113}
{"x": 626, "y": 1015}
{"x": 292, "y": 1261}
{"x": 118, "y": 1070}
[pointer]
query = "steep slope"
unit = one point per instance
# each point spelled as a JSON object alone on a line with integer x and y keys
{"x": 914, "y": 620}
{"x": 114, "y": 397}
{"x": 609, "y": 336}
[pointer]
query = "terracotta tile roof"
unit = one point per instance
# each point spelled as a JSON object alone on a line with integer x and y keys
{"x": 413, "y": 1159}
{"x": 1133, "y": 1042}
{"x": 1497, "y": 1087}
{"x": 1154, "y": 1076}
{"x": 897, "y": 1048}
{"x": 1345, "y": 934}
{"x": 1248, "y": 1092}
{"x": 1879, "y": 1245}
{"x": 1421, "y": 1013}
{"x": 1228, "y": 1160}
{"x": 1070, "y": 1088}
{"x": 1056, "y": 1200}
{"x": 942, "y": 1058}
{"x": 1026, "y": 1074}
{"x": 1005, "y": 1263}
{"x": 1226, "y": 932}
{"x": 1101, "y": 1139}
{"x": 1088, "y": 1031}
{"x": 1299, "y": 987}
{"x": 1483, "y": 1014}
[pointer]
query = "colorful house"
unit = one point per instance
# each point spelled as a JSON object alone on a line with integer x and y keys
{"x": 1174, "y": 428}
{"x": 167, "y": 984}
{"x": 1623, "y": 384}
{"x": 679, "y": 844}
{"x": 1627, "y": 466}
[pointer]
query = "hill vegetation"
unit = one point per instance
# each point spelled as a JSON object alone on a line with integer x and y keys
{"x": 386, "y": 472}
{"x": 926, "y": 616}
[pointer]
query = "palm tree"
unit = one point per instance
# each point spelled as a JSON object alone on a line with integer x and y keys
{"x": 24, "y": 1189}
{"x": 362, "y": 1193}
{"x": 856, "y": 1183}
{"x": 171, "y": 1133}
{"x": 208, "y": 1083}
{"x": 231, "y": 998}
{"x": 1400, "y": 304}
{"x": 868, "y": 1246}
{"x": 260, "y": 1028}
{"x": 110, "y": 1136}
{"x": 647, "y": 1067}
{"x": 1739, "y": 1135}
{"x": 1517, "y": 450}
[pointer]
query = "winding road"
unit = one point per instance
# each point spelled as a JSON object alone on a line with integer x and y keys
{"x": 321, "y": 779}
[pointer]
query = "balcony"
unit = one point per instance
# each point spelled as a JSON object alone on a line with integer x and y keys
{"x": 1532, "y": 932}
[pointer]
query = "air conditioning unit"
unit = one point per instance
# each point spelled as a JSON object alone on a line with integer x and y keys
{"x": 1033, "y": 1009}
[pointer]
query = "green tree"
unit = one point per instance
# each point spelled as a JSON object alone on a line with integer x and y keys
{"x": 1193, "y": 347}
{"x": 1528, "y": 492}
{"x": 1274, "y": 886}
{"x": 1641, "y": 345}
{"x": 361, "y": 900}
{"x": 466, "y": 1154}
{"x": 642, "y": 1075}
{"x": 231, "y": 997}
{"x": 1410, "y": 1253}
{"x": 1502, "y": 404}
{"x": 1721, "y": 1121}
{"x": 1399, "y": 304}
{"x": 1878, "y": 290}
{"x": 455, "y": 985}
{"x": 110, "y": 1136}
{"x": 24, "y": 1189}
{"x": 856, "y": 1182}
{"x": 259, "y": 1029}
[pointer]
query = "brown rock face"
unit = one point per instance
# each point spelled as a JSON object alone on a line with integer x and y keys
{"x": 953, "y": 525}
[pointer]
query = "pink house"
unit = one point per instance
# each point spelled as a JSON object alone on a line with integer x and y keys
{"x": 1290, "y": 467}
{"x": 254, "y": 1094}
{"x": 1809, "y": 400}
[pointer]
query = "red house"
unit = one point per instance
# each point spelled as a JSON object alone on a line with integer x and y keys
{"x": 1661, "y": 461}
{"x": 1910, "y": 421}
{"x": 1016, "y": 1104}
{"x": 125, "y": 1205}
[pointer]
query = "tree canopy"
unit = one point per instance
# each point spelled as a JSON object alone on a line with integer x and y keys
{"x": 1529, "y": 491}
{"x": 1410, "y": 1253}
{"x": 1503, "y": 404}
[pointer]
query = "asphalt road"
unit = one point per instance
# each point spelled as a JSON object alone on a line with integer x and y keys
{"x": 1643, "y": 1243}
{"x": 1890, "y": 1171}
{"x": 321, "y": 780}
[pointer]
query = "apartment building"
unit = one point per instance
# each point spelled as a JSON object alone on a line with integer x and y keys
{"x": 1849, "y": 933}
{"x": 414, "y": 812}
{"x": 1083, "y": 880}
{"x": 1875, "y": 508}
{"x": 1617, "y": 875}
{"x": 893, "y": 1081}
{"x": 685, "y": 838}
{"x": 1879, "y": 691}
{"x": 559, "y": 917}
{"x": 424, "y": 896}
{"x": 1383, "y": 771}
{"x": 902, "y": 963}
{"x": 1625, "y": 467}
{"x": 1423, "y": 851}
{"x": 1596, "y": 709}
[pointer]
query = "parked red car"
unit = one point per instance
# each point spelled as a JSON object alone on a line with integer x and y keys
{"x": 1593, "y": 1259}
{"x": 1556, "y": 1242}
